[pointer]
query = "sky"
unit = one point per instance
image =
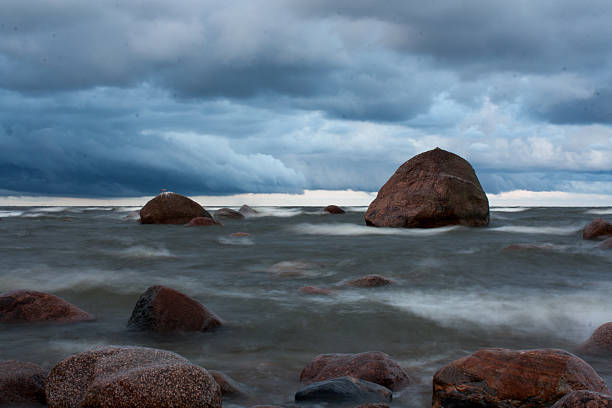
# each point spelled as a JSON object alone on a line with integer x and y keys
{"x": 117, "y": 99}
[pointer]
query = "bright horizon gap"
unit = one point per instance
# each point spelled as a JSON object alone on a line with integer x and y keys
{"x": 320, "y": 198}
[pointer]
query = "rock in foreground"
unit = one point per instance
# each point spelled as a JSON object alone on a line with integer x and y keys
{"x": 584, "y": 399}
{"x": 433, "y": 189}
{"x": 333, "y": 209}
{"x": 372, "y": 366}
{"x": 171, "y": 208}
{"x": 163, "y": 309}
{"x": 123, "y": 377}
{"x": 228, "y": 213}
{"x": 30, "y": 306}
{"x": 21, "y": 383}
{"x": 512, "y": 378}
{"x": 599, "y": 228}
{"x": 344, "y": 389}
{"x": 600, "y": 341}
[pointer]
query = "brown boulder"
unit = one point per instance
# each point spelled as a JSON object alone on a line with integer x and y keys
{"x": 123, "y": 377}
{"x": 372, "y": 366}
{"x": 21, "y": 383}
{"x": 511, "y": 378}
{"x": 584, "y": 399}
{"x": 597, "y": 229}
{"x": 30, "y": 306}
{"x": 607, "y": 244}
{"x": 247, "y": 211}
{"x": 333, "y": 209}
{"x": 171, "y": 208}
{"x": 163, "y": 309}
{"x": 433, "y": 189}
{"x": 600, "y": 341}
{"x": 228, "y": 213}
{"x": 315, "y": 290}
{"x": 370, "y": 281}
{"x": 202, "y": 222}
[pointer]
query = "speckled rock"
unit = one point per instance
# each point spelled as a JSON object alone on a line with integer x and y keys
{"x": 369, "y": 281}
{"x": 511, "y": 378}
{"x": 607, "y": 244}
{"x": 163, "y": 309}
{"x": 315, "y": 290}
{"x": 130, "y": 377}
{"x": 433, "y": 189}
{"x": 344, "y": 389}
{"x": 247, "y": 211}
{"x": 31, "y": 306}
{"x": 203, "y": 222}
{"x": 333, "y": 209}
{"x": 171, "y": 208}
{"x": 21, "y": 383}
{"x": 228, "y": 213}
{"x": 597, "y": 229}
{"x": 584, "y": 399}
{"x": 229, "y": 387}
{"x": 373, "y": 366}
{"x": 600, "y": 341}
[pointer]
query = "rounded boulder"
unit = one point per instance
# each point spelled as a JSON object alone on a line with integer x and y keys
{"x": 171, "y": 208}
{"x": 333, "y": 209}
{"x": 597, "y": 229}
{"x": 31, "y": 306}
{"x": 21, "y": 383}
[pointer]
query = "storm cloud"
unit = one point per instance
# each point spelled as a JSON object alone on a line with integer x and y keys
{"x": 122, "y": 98}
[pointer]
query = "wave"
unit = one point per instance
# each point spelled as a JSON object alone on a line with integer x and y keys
{"x": 524, "y": 229}
{"x": 33, "y": 215}
{"x": 126, "y": 209}
{"x": 49, "y": 209}
{"x": 7, "y": 214}
{"x": 277, "y": 212}
{"x": 236, "y": 241}
{"x": 600, "y": 211}
{"x": 357, "y": 230}
{"x": 361, "y": 209}
{"x": 510, "y": 209}
{"x": 98, "y": 209}
{"x": 144, "y": 252}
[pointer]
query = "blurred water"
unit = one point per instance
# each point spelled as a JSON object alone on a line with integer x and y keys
{"x": 456, "y": 289}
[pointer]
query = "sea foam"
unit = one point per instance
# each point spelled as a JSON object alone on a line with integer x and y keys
{"x": 345, "y": 229}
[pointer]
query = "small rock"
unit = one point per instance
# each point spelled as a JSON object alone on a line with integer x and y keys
{"x": 333, "y": 209}
{"x": 163, "y": 309}
{"x": 247, "y": 211}
{"x": 584, "y": 399}
{"x": 68, "y": 219}
{"x": 344, "y": 389}
{"x": 228, "y": 385}
{"x": 599, "y": 228}
{"x": 21, "y": 383}
{"x": 372, "y": 366}
{"x": 31, "y": 306}
{"x": 600, "y": 341}
{"x": 240, "y": 234}
{"x": 315, "y": 290}
{"x": 126, "y": 376}
{"x": 370, "y": 281}
{"x": 228, "y": 213}
{"x": 171, "y": 208}
{"x": 607, "y": 244}
{"x": 202, "y": 222}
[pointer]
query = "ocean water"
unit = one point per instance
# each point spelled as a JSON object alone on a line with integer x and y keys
{"x": 456, "y": 289}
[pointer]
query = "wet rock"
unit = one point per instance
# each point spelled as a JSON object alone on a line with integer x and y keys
{"x": 123, "y": 377}
{"x": 584, "y": 399}
{"x": 607, "y": 244}
{"x": 229, "y": 387}
{"x": 369, "y": 281}
{"x": 373, "y": 366}
{"x": 512, "y": 378}
{"x": 344, "y": 389}
{"x": 228, "y": 213}
{"x": 202, "y": 222}
{"x": 163, "y": 309}
{"x": 333, "y": 209}
{"x": 240, "y": 234}
{"x": 21, "y": 383}
{"x": 315, "y": 290}
{"x": 433, "y": 189}
{"x": 30, "y": 306}
{"x": 171, "y": 208}
{"x": 597, "y": 229}
{"x": 600, "y": 341}
{"x": 247, "y": 211}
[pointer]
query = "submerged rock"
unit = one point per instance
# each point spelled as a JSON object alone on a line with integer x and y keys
{"x": 163, "y": 309}
{"x": 21, "y": 383}
{"x": 369, "y": 281}
{"x": 433, "y": 189}
{"x": 512, "y": 378}
{"x": 123, "y": 377}
{"x": 228, "y": 213}
{"x": 31, "y": 306}
{"x": 607, "y": 244}
{"x": 240, "y": 234}
{"x": 315, "y": 290}
{"x": 171, "y": 208}
{"x": 372, "y": 366}
{"x": 229, "y": 387}
{"x": 333, "y": 209}
{"x": 600, "y": 341}
{"x": 584, "y": 399}
{"x": 247, "y": 211}
{"x": 599, "y": 228}
{"x": 202, "y": 222}
{"x": 344, "y": 389}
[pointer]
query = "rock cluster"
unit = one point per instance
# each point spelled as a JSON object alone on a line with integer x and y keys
{"x": 31, "y": 306}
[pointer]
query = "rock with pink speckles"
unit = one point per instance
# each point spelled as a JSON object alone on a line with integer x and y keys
{"x": 134, "y": 377}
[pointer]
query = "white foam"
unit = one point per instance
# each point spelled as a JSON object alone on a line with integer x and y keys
{"x": 510, "y": 209}
{"x": 600, "y": 211}
{"x": 98, "y": 209}
{"x": 141, "y": 251}
{"x": 10, "y": 214}
{"x": 50, "y": 209}
{"x": 236, "y": 241}
{"x": 277, "y": 212}
{"x": 524, "y": 229}
{"x": 33, "y": 215}
{"x": 345, "y": 229}
{"x": 356, "y": 209}
{"x": 127, "y": 209}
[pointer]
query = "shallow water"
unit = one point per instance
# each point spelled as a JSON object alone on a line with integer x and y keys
{"x": 456, "y": 289}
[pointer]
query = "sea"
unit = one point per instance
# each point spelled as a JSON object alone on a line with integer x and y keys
{"x": 527, "y": 281}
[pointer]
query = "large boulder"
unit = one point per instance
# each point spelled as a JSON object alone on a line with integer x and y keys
{"x": 123, "y": 377}
{"x": 344, "y": 389}
{"x": 512, "y": 378}
{"x": 372, "y": 366}
{"x": 21, "y": 383}
{"x": 171, "y": 208}
{"x": 228, "y": 213}
{"x": 31, "y": 306}
{"x": 597, "y": 229}
{"x": 600, "y": 341}
{"x": 163, "y": 309}
{"x": 584, "y": 399}
{"x": 432, "y": 189}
